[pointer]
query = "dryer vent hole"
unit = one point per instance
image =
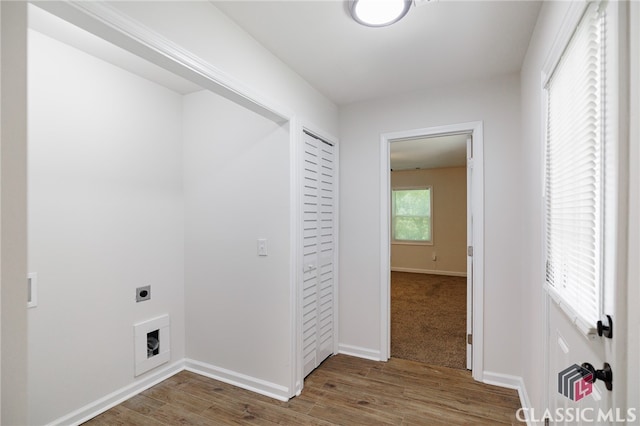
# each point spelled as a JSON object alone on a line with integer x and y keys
{"x": 153, "y": 343}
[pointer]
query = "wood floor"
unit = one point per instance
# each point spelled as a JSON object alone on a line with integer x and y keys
{"x": 342, "y": 391}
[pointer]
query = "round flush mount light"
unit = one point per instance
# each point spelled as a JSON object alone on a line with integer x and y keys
{"x": 378, "y": 13}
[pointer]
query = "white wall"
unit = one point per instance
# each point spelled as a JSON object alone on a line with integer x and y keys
{"x": 236, "y": 168}
{"x": 205, "y": 31}
{"x": 105, "y": 217}
{"x": 254, "y": 291}
{"x": 497, "y": 103}
{"x": 532, "y": 168}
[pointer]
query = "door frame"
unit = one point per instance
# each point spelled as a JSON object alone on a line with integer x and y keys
{"x": 475, "y": 308}
{"x": 633, "y": 267}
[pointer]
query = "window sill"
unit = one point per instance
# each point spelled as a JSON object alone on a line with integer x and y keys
{"x": 411, "y": 243}
{"x": 586, "y": 329}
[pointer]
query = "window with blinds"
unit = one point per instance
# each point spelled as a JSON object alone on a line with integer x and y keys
{"x": 574, "y": 175}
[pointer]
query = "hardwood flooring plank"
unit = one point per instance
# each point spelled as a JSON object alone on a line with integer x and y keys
{"x": 170, "y": 394}
{"x": 142, "y": 404}
{"x": 121, "y": 416}
{"x": 176, "y": 415}
{"x": 359, "y": 402}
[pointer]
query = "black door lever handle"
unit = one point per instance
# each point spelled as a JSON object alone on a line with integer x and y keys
{"x": 606, "y": 374}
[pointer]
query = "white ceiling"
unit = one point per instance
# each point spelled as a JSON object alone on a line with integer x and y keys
{"x": 437, "y": 43}
{"x": 429, "y": 153}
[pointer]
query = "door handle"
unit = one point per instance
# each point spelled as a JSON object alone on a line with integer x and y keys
{"x": 606, "y": 374}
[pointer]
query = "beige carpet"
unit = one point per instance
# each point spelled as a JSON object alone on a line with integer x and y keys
{"x": 428, "y": 318}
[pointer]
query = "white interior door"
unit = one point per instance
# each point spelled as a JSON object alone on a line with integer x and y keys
{"x": 318, "y": 251}
{"x": 573, "y": 340}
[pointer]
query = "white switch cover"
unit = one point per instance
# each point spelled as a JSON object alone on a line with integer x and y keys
{"x": 262, "y": 247}
{"x": 32, "y": 290}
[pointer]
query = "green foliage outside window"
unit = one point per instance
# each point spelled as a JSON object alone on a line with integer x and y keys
{"x": 411, "y": 216}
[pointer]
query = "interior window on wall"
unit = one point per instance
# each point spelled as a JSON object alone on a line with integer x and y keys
{"x": 411, "y": 215}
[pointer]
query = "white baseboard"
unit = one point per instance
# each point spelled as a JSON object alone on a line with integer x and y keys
{"x": 428, "y": 271}
{"x": 95, "y": 408}
{"x": 91, "y": 410}
{"x": 359, "y": 352}
{"x": 510, "y": 382}
{"x": 243, "y": 381}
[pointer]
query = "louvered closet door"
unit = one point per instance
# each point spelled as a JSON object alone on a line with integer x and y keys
{"x": 318, "y": 250}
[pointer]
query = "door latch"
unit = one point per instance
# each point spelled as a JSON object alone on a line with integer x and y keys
{"x": 605, "y": 327}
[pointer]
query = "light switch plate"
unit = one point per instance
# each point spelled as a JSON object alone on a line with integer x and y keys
{"x": 262, "y": 247}
{"x": 32, "y": 290}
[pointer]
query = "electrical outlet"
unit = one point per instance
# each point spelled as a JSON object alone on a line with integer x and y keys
{"x": 143, "y": 293}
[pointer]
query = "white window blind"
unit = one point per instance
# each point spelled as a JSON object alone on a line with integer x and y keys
{"x": 573, "y": 184}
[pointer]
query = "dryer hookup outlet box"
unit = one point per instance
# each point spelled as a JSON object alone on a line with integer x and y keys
{"x": 143, "y": 293}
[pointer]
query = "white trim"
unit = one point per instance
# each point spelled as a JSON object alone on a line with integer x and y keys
{"x": 570, "y": 22}
{"x": 428, "y": 271}
{"x": 117, "y": 397}
{"x": 411, "y": 243}
{"x": 510, "y": 382}
{"x": 633, "y": 264}
{"x": 240, "y": 380}
{"x": 359, "y": 352}
{"x": 476, "y": 129}
{"x": 385, "y": 249}
{"x": 109, "y": 23}
{"x": 295, "y": 224}
{"x": 101, "y": 405}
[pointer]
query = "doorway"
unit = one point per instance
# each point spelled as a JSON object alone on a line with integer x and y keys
{"x": 475, "y": 237}
{"x": 428, "y": 249}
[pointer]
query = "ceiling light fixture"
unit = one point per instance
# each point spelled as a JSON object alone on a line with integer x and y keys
{"x": 378, "y": 13}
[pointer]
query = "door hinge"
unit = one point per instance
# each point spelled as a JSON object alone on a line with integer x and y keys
{"x": 469, "y": 339}
{"x": 470, "y": 251}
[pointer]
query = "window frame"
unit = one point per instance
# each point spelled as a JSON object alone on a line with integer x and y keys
{"x": 394, "y": 241}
